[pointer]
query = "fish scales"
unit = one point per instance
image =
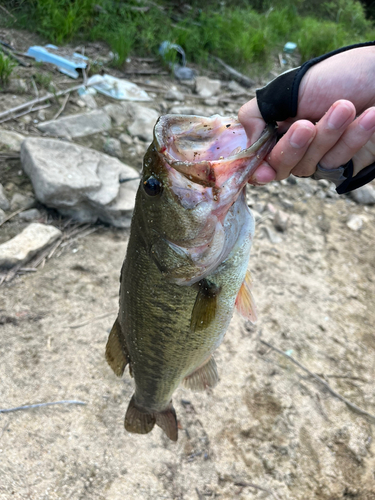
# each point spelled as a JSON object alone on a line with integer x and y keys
{"x": 186, "y": 263}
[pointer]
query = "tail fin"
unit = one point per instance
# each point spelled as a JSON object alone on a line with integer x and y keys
{"x": 141, "y": 421}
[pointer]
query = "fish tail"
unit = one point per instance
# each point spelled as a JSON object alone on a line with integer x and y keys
{"x": 141, "y": 421}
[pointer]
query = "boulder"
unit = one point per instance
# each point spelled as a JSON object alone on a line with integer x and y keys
{"x": 80, "y": 182}
{"x": 77, "y": 125}
{"x": 26, "y": 244}
{"x": 205, "y": 87}
{"x": 10, "y": 140}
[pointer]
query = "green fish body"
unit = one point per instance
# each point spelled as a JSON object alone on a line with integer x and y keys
{"x": 186, "y": 262}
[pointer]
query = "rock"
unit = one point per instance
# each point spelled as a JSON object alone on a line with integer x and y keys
{"x": 26, "y": 119}
{"x": 126, "y": 139}
{"x": 41, "y": 115}
{"x": 10, "y": 140}
{"x": 355, "y": 223}
{"x": 119, "y": 113}
{"x": 364, "y": 195}
{"x": 280, "y": 221}
{"x": 174, "y": 95}
{"x": 4, "y": 203}
{"x": 26, "y": 244}
{"x": 30, "y": 215}
{"x": 211, "y": 101}
{"x": 112, "y": 147}
{"x": 190, "y": 110}
{"x": 89, "y": 101}
{"x": 205, "y": 87}
{"x": 79, "y": 182}
{"x": 21, "y": 201}
{"x": 17, "y": 86}
{"x": 273, "y": 237}
{"x": 143, "y": 123}
{"x": 235, "y": 87}
{"x": 77, "y": 125}
{"x": 2, "y": 216}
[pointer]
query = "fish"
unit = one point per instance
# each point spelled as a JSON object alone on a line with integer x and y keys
{"x": 186, "y": 262}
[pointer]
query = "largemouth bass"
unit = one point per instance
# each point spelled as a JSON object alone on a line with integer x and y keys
{"x": 186, "y": 262}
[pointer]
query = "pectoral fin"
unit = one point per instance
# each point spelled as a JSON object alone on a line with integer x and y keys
{"x": 205, "y": 376}
{"x": 205, "y": 305}
{"x": 116, "y": 352}
{"x": 245, "y": 301}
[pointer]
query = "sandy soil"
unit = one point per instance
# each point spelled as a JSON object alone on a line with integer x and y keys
{"x": 268, "y": 430}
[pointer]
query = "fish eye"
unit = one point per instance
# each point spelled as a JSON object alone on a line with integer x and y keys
{"x": 152, "y": 186}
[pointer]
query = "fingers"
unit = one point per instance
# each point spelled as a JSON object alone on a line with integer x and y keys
{"x": 287, "y": 153}
{"x": 329, "y": 130}
{"x": 251, "y": 119}
{"x": 355, "y": 137}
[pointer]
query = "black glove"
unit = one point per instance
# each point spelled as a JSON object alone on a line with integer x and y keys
{"x": 278, "y": 101}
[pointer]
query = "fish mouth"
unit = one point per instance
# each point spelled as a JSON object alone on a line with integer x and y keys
{"x": 210, "y": 150}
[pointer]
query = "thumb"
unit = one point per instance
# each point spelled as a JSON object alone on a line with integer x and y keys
{"x": 251, "y": 119}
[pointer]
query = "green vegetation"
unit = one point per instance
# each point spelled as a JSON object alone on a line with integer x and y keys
{"x": 241, "y": 32}
{"x": 6, "y": 68}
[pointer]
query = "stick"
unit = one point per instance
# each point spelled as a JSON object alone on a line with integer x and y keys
{"x": 101, "y": 316}
{"x": 39, "y": 405}
{"x": 350, "y": 405}
{"x": 244, "y": 80}
{"x": 252, "y": 485}
{"x": 10, "y": 216}
{"x": 7, "y": 12}
{"x": 49, "y": 95}
{"x": 62, "y": 107}
{"x": 44, "y": 106}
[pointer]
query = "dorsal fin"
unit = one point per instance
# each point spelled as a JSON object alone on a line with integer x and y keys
{"x": 204, "y": 309}
{"x": 245, "y": 301}
{"x": 116, "y": 352}
{"x": 203, "y": 377}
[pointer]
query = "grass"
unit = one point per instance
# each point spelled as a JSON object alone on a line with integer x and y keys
{"x": 243, "y": 33}
{"x": 6, "y": 68}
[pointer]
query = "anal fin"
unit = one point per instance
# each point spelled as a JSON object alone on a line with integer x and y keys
{"x": 141, "y": 421}
{"x": 245, "y": 301}
{"x": 115, "y": 351}
{"x": 205, "y": 305}
{"x": 205, "y": 376}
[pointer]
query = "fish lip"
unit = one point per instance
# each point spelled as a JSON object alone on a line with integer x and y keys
{"x": 171, "y": 130}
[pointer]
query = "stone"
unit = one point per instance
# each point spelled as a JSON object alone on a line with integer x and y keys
{"x": 112, "y": 147}
{"x": 77, "y": 125}
{"x": 126, "y": 139}
{"x": 26, "y": 119}
{"x": 143, "y": 123}
{"x": 4, "y": 203}
{"x": 89, "y": 101}
{"x": 80, "y": 182}
{"x": 26, "y": 244}
{"x": 364, "y": 195}
{"x": 21, "y": 201}
{"x": 119, "y": 113}
{"x": 10, "y": 140}
{"x": 30, "y": 215}
{"x": 233, "y": 86}
{"x": 205, "y": 87}
{"x": 211, "y": 101}
{"x": 355, "y": 223}
{"x": 174, "y": 95}
{"x": 17, "y": 86}
{"x": 2, "y": 216}
{"x": 280, "y": 221}
{"x": 41, "y": 115}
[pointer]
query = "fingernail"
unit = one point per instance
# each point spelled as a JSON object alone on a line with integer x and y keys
{"x": 339, "y": 116}
{"x": 367, "y": 122}
{"x": 300, "y": 137}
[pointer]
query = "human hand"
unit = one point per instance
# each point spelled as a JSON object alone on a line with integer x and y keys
{"x": 337, "y": 136}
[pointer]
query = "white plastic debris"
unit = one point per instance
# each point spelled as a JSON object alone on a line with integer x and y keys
{"x": 117, "y": 88}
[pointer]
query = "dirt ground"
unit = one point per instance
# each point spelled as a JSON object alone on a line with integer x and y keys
{"x": 268, "y": 430}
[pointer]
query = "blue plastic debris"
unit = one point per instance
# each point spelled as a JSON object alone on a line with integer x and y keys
{"x": 66, "y": 63}
{"x": 290, "y": 47}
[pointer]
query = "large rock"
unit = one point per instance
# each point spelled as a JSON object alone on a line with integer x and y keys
{"x": 80, "y": 182}
{"x": 364, "y": 195}
{"x": 143, "y": 122}
{"x": 77, "y": 125}
{"x": 205, "y": 87}
{"x": 26, "y": 244}
{"x": 10, "y": 140}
